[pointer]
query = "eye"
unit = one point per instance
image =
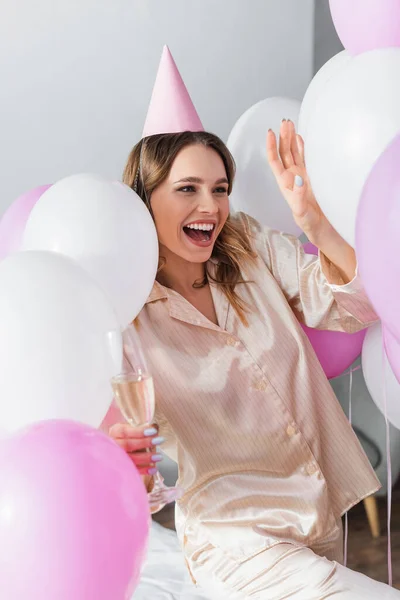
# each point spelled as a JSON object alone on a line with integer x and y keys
{"x": 221, "y": 190}
{"x": 187, "y": 189}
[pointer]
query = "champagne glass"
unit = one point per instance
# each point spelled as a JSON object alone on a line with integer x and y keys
{"x": 134, "y": 394}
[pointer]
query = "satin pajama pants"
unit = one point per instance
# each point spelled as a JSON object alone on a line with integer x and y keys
{"x": 284, "y": 572}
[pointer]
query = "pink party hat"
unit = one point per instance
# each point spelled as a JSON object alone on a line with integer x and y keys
{"x": 171, "y": 109}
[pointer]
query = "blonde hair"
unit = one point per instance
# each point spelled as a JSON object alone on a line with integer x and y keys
{"x": 149, "y": 164}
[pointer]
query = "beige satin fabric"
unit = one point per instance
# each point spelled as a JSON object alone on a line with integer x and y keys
{"x": 264, "y": 449}
{"x": 284, "y": 572}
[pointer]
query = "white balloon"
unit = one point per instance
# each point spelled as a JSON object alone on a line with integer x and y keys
{"x": 107, "y": 229}
{"x": 255, "y": 190}
{"x": 357, "y": 116}
{"x": 60, "y": 342}
{"x": 316, "y": 87}
{"x": 372, "y": 364}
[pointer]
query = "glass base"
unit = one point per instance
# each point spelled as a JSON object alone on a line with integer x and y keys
{"x": 161, "y": 495}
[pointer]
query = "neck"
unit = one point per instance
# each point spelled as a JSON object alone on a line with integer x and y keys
{"x": 179, "y": 274}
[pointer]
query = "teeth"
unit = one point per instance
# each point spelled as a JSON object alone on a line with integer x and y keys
{"x": 202, "y": 226}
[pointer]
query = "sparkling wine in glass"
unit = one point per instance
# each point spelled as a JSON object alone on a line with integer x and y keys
{"x": 134, "y": 394}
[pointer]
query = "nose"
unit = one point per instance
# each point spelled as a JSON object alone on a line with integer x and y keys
{"x": 208, "y": 203}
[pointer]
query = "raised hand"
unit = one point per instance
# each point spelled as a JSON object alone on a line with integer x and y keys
{"x": 290, "y": 171}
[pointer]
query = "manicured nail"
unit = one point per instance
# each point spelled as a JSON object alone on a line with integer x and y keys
{"x": 152, "y": 471}
{"x": 157, "y": 441}
{"x": 150, "y": 432}
{"x": 298, "y": 180}
{"x": 157, "y": 458}
{"x": 283, "y": 120}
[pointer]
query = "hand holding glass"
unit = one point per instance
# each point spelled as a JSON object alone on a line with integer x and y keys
{"x": 134, "y": 394}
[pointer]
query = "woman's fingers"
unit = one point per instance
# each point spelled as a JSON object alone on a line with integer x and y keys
{"x": 285, "y": 150}
{"x": 140, "y": 444}
{"x": 147, "y": 459}
{"x": 133, "y": 445}
{"x": 294, "y": 146}
{"x": 282, "y": 160}
{"x": 135, "y": 439}
{"x": 143, "y": 461}
{"x": 146, "y": 463}
{"x": 300, "y": 145}
{"x": 124, "y": 430}
{"x": 146, "y": 471}
{"x": 272, "y": 154}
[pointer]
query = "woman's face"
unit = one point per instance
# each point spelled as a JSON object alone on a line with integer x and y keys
{"x": 191, "y": 206}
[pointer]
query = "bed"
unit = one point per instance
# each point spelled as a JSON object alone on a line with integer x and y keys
{"x": 165, "y": 576}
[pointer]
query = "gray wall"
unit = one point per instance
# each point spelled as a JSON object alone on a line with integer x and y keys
{"x": 326, "y": 41}
{"x": 76, "y": 76}
{"x": 370, "y": 421}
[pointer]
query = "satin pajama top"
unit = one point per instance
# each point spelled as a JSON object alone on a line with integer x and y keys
{"x": 264, "y": 450}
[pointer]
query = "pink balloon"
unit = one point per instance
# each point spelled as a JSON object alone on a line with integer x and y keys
{"x": 364, "y": 25}
{"x": 309, "y": 248}
{"x": 378, "y": 237}
{"x": 336, "y": 351}
{"x": 392, "y": 347}
{"x": 74, "y": 516}
{"x": 12, "y": 225}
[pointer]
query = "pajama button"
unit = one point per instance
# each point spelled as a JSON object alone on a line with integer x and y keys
{"x": 231, "y": 341}
{"x": 291, "y": 431}
{"x": 311, "y": 469}
{"x": 260, "y": 385}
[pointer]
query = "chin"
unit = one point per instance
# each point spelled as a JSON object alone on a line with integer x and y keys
{"x": 197, "y": 256}
{"x": 194, "y": 254}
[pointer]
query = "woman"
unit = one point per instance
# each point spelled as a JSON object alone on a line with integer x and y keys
{"x": 267, "y": 459}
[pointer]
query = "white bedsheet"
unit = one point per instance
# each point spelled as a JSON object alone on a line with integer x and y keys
{"x": 165, "y": 576}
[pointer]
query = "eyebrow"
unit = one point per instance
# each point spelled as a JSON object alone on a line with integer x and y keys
{"x": 199, "y": 180}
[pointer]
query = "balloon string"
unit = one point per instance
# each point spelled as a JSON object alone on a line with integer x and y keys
{"x": 348, "y": 372}
{"x": 346, "y": 516}
{"x": 389, "y": 463}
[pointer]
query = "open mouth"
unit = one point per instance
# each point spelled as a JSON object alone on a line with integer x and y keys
{"x": 200, "y": 233}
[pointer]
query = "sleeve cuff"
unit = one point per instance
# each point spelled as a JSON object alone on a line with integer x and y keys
{"x": 334, "y": 279}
